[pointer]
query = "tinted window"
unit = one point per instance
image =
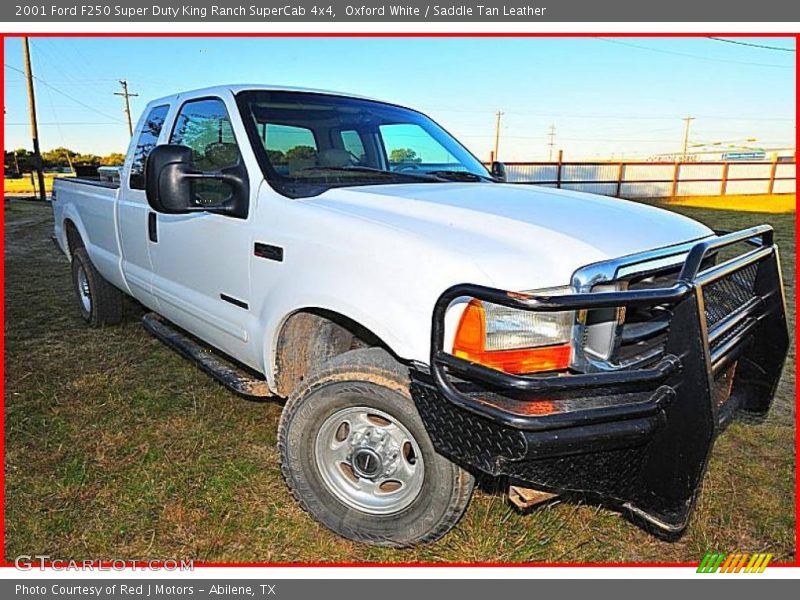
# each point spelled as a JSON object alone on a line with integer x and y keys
{"x": 351, "y": 141}
{"x": 147, "y": 141}
{"x": 289, "y": 148}
{"x": 337, "y": 141}
{"x": 409, "y": 146}
{"x": 204, "y": 126}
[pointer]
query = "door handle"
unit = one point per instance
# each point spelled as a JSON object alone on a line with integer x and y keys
{"x": 152, "y": 227}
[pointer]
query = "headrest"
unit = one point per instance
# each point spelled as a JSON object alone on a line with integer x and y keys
{"x": 334, "y": 157}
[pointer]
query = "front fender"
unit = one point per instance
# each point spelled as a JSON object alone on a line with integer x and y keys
{"x": 406, "y": 332}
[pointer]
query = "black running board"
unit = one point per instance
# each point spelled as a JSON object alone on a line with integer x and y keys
{"x": 228, "y": 374}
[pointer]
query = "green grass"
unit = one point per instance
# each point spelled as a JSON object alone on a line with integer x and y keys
{"x": 117, "y": 447}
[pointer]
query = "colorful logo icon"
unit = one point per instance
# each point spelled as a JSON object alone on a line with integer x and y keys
{"x": 716, "y": 562}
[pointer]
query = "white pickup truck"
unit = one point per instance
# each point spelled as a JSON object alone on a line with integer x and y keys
{"x": 426, "y": 321}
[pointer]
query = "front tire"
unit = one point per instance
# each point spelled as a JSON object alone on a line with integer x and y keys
{"x": 100, "y": 302}
{"x": 355, "y": 454}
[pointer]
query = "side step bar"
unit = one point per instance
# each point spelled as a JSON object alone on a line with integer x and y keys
{"x": 228, "y": 374}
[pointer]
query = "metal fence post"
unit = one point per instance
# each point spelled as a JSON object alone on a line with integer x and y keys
{"x": 723, "y": 186}
{"x": 620, "y": 177}
{"x": 675, "y": 178}
{"x": 558, "y": 170}
{"x": 772, "y": 171}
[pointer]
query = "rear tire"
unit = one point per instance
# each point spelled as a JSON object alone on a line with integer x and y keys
{"x": 354, "y": 413}
{"x": 100, "y": 302}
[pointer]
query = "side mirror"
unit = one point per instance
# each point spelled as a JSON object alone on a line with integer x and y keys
{"x": 170, "y": 179}
{"x": 498, "y": 171}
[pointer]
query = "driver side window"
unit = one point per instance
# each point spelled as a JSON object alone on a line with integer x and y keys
{"x": 205, "y": 127}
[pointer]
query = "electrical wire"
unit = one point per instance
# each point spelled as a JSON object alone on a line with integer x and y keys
{"x": 695, "y": 56}
{"x": 761, "y": 46}
{"x": 43, "y": 82}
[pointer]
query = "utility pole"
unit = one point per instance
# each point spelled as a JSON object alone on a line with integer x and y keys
{"x": 127, "y": 95}
{"x": 552, "y": 142}
{"x": 688, "y": 120}
{"x": 37, "y": 154}
{"x": 497, "y": 135}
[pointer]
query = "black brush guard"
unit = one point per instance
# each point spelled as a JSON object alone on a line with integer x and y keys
{"x": 636, "y": 439}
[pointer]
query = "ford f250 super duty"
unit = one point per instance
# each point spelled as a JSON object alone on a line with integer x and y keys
{"x": 426, "y": 321}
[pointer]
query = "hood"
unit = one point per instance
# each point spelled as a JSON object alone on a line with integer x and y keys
{"x": 518, "y": 235}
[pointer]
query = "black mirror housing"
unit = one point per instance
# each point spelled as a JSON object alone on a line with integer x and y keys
{"x": 498, "y": 171}
{"x": 169, "y": 177}
{"x": 166, "y": 185}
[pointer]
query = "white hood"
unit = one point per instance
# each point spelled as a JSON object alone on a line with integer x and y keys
{"x": 516, "y": 234}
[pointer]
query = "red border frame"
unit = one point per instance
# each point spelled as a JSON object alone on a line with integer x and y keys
{"x": 97, "y": 564}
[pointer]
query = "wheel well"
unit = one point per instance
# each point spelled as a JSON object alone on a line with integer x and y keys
{"x": 312, "y": 336}
{"x": 74, "y": 240}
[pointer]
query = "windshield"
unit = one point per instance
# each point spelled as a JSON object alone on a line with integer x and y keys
{"x": 307, "y": 143}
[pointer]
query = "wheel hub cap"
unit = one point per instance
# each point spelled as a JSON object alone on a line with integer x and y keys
{"x": 84, "y": 293}
{"x": 375, "y": 453}
{"x": 369, "y": 460}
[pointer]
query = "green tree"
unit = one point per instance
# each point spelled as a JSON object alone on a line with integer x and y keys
{"x": 86, "y": 159}
{"x": 404, "y": 155}
{"x": 57, "y": 157}
{"x": 24, "y": 159}
{"x": 301, "y": 153}
{"x": 62, "y": 157}
{"x": 276, "y": 157}
{"x": 115, "y": 159}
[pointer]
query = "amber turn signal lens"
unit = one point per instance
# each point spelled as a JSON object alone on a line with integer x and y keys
{"x": 470, "y": 344}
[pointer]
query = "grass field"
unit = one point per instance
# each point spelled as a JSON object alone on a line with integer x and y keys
{"x": 24, "y": 185}
{"x": 117, "y": 447}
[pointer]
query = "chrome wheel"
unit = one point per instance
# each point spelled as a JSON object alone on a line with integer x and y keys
{"x": 369, "y": 460}
{"x": 84, "y": 293}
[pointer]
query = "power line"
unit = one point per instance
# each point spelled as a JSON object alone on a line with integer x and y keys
{"x": 762, "y": 46}
{"x": 579, "y": 139}
{"x": 57, "y": 64}
{"x": 43, "y": 82}
{"x": 606, "y": 116}
{"x": 552, "y": 136}
{"x": 695, "y": 56}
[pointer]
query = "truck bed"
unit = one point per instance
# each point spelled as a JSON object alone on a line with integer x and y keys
{"x": 90, "y": 205}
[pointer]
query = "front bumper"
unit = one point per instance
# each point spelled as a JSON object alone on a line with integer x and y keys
{"x": 635, "y": 438}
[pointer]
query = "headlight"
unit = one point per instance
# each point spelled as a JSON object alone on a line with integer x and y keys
{"x": 516, "y": 341}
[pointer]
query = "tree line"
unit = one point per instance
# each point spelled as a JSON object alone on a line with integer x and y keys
{"x": 22, "y": 160}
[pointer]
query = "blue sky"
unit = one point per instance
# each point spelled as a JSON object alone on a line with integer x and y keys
{"x": 608, "y": 98}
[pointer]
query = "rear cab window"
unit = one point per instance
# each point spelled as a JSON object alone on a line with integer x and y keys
{"x": 148, "y": 138}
